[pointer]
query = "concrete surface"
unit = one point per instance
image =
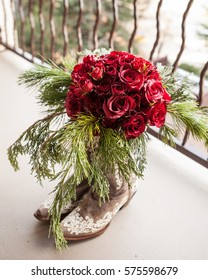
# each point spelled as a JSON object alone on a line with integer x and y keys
{"x": 166, "y": 219}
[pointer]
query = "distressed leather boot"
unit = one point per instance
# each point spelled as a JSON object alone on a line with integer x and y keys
{"x": 89, "y": 219}
{"x": 42, "y": 213}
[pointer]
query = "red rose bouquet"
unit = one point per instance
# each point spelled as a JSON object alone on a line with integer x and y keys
{"x": 123, "y": 91}
{"x": 98, "y": 113}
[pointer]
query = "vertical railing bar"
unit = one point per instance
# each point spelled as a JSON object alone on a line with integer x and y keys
{"x": 97, "y": 20}
{"x": 185, "y": 138}
{"x": 22, "y": 26}
{"x": 135, "y": 27}
{"x": 42, "y": 29}
{"x": 201, "y": 82}
{"x": 64, "y": 27}
{"x": 14, "y": 23}
{"x": 52, "y": 28}
{"x": 175, "y": 64}
{"x": 0, "y": 35}
{"x": 5, "y": 21}
{"x": 32, "y": 28}
{"x": 79, "y": 31}
{"x": 158, "y": 30}
{"x": 115, "y": 20}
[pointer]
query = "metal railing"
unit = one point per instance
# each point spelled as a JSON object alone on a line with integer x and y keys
{"x": 54, "y": 28}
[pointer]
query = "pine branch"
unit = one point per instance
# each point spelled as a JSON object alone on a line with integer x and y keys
{"x": 51, "y": 81}
{"x": 177, "y": 86}
{"x": 188, "y": 115}
{"x": 167, "y": 134}
{"x": 40, "y": 142}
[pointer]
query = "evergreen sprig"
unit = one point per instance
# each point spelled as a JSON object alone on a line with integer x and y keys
{"x": 51, "y": 81}
{"x": 40, "y": 142}
{"x": 188, "y": 115}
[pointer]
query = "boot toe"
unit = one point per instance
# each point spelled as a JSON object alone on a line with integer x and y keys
{"x": 42, "y": 214}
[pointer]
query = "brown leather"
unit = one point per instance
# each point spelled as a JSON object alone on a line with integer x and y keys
{"x": 42, "y": 213}
{"x": 89, "y": 218}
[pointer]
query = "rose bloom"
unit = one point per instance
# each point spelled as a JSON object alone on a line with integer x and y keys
{"x": 86, "y": 85}
{"x": 117, "y": 105}
{"x": 118, "y": 88}
{"x": 154, "y": 91}
{"x": 80, "y": 71}
{"x": 73, "y": 104}
{"x": 135, "y": 126}
{"x": 157, "y": 114}
{"x": 97, "y": 73}
{"x": 111, "y": 58}
{"x": 126, "y": 59}
{"x": 110, "y": 70}
{"x": 89, "y": 59}
{"x": 93, "y": 103}
{"x": 136, "y": 95}
{"x": 131, "y": 77}
{"x": 103, "y": 86}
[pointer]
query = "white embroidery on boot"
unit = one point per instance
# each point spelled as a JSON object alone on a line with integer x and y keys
{"x": 77, "y": 224}
{"x": 118, "y": 178}
{"x": 49, "y": 201}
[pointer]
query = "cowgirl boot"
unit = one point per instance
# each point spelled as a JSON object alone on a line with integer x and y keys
{"x": 42, "y": 213}
{"x": 89, "y": 219}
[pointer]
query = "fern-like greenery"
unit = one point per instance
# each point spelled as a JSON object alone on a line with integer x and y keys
{"x": 185, "y": 112}
{"x": 51, "y": 81}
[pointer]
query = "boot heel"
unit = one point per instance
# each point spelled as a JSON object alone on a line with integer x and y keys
{"x": 127, "y": 202}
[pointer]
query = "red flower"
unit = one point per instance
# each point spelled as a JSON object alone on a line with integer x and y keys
{"x": 104, "y": 85}
{"x": 118, "y": 88}
{"x": 126, "y": 59}
{"x": 97, "y": 73}
{"x": 73, "y": 104}
{"x": 154, "y": 91}
{"x": 157, "y": 114}
{"x": 131, "y": 77}
{"x": 111, "y": 58}
{"x": 80, "y": 71}
{"x": 86, "y": 85}
{"x": 110, "y": 70}
{"x": 117, "y": 105}
{"x": 135, "y": 126}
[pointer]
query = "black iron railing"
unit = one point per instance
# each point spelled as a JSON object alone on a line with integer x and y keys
{"x": 54, "y": 28}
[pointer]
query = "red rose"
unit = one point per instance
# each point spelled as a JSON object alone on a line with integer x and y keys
{"x": 117, "y": 105}
{"x": 86, "y": 85}
{"x": 131, "y": 77}
{"x": 157, "y": 114}
{"x": 73, "y": 104}
{"x": 97, "y": 73}
{"x": 89, "y": 59}
{"x": 80, "y": 71}
{"x": 104, "y": 85}
{"x": 138, "y": 64}
{"x": 154, "y": 91}
{"x": 118, "y": 88}
{"x": 136, "y": 95}
{"x": 111, "y": 58}
{"x": 126, "y": 59}
{"x": 110, "y": 70}
{"x": 166, "y": 96}
{"x": 134, "y": 126}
